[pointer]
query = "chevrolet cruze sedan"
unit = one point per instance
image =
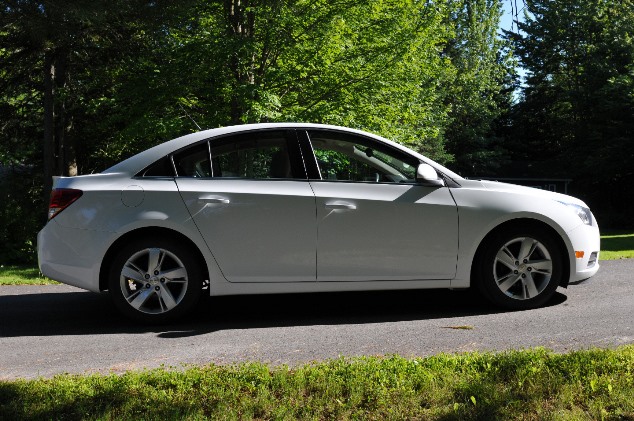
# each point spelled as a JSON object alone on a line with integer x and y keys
{"x": 289, "y": 208}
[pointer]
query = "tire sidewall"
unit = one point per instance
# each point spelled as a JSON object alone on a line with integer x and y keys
{"x": 184, "y": 254}
{"x": 486, "y": 280}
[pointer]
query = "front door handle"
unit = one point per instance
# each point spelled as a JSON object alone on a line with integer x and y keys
{"x": 213, "y": 199}
{"x": 335, "y": 206}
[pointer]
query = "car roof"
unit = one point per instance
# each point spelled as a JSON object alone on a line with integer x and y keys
{"x": 138, "y": 162}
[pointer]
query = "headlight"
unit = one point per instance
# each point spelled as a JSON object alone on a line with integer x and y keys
{"x": 583, "y": 213}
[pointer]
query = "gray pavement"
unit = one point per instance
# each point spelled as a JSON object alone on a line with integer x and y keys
{"x": 46, "y": 330}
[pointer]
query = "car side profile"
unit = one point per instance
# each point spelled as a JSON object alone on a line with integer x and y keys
{"x": 294, "y": 207}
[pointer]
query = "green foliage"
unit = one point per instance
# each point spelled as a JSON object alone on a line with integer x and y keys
{"x": 535, "y": 384}
{"x": 382, "y": 66}
{"x": 364, "y": 64}
{"x": 576, "y": 117}
{"x": 416, "y": 74}
{"x": 480, "y": 92}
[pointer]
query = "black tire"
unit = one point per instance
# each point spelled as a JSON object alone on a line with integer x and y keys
{"x": 154, "y": 280}
{"x": 520, "y": 268}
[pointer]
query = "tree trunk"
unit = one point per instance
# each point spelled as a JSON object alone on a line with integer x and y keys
{"x": 59, "y": 155}
{"x": 49, "y": 126}
{"x": 240, "y": 26}
{"x": 67, "y": 161}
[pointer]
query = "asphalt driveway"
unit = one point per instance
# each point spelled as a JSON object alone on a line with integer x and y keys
{"x": 46, "y": 330}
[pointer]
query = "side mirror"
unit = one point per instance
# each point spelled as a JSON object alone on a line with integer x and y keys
{"x": 427, "y": 176}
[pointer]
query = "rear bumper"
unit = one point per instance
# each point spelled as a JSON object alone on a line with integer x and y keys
{"x": 69, "y": 255}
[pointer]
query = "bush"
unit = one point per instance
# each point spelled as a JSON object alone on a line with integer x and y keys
{"x": 22, "y": 214}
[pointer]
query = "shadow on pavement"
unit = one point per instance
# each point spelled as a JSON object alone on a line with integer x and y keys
{"x": 85, "y": 313}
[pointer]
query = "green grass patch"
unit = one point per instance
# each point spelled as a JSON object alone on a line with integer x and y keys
{"x": 529, "y": 385}
{"x": 22, "y": 275}
{"x": 618, "y": 245}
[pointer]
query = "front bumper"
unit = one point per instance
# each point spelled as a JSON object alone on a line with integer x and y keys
{"x": 585, "y": 239}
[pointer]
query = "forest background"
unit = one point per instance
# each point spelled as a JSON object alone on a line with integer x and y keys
{"x": 86, "y": 83}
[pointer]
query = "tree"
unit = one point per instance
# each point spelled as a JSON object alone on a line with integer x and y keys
{"x": 365, "y": 64}
{"x": 58, "y": 56}
{"x": 56, "y": 60}
{"x": 480, "y": 91}
{"x": 576, "y": 117}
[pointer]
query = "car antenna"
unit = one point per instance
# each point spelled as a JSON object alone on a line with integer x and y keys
{"x": 190, "y": 117}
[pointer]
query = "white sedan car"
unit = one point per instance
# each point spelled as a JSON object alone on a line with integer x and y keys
{"x": 289, "y": 208}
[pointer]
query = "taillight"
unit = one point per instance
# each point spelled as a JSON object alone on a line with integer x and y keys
{"x": 61, "y": 199}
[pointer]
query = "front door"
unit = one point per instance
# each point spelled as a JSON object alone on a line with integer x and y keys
{"x": 374, "y": 221}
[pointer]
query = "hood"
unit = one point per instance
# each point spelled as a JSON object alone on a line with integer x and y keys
{"x": 530, "y": 191}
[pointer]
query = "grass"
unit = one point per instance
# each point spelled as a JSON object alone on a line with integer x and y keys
{"x": 529, "y": 385}
{"x": 22, "y": 275}
{"x": 617, "y": 245}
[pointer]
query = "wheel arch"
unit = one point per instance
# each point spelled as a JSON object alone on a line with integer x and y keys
{"x": 146, "y": 232}
{"x": 525, "y": 223}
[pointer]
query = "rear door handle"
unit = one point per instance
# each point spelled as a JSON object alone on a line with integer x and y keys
{"x": 335, "y": 206}
{"x": 213, "y": 199}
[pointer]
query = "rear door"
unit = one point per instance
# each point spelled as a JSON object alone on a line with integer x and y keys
{"x": 250, "y": 198}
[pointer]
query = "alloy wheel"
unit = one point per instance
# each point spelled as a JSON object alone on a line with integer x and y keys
{"x": 522, "y": 268}
{"x": 153, "y": 281}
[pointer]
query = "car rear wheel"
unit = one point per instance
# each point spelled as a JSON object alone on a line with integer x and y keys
{"x": 520, "y": 269}
{"x": 155, "y": 280}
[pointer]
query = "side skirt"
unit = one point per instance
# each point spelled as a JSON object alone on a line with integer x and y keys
{"x": 218, "y": 288}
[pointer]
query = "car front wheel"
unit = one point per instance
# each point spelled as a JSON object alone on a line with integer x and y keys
{"x": 520, "y": 269}
{"x": 155, "y": 280}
